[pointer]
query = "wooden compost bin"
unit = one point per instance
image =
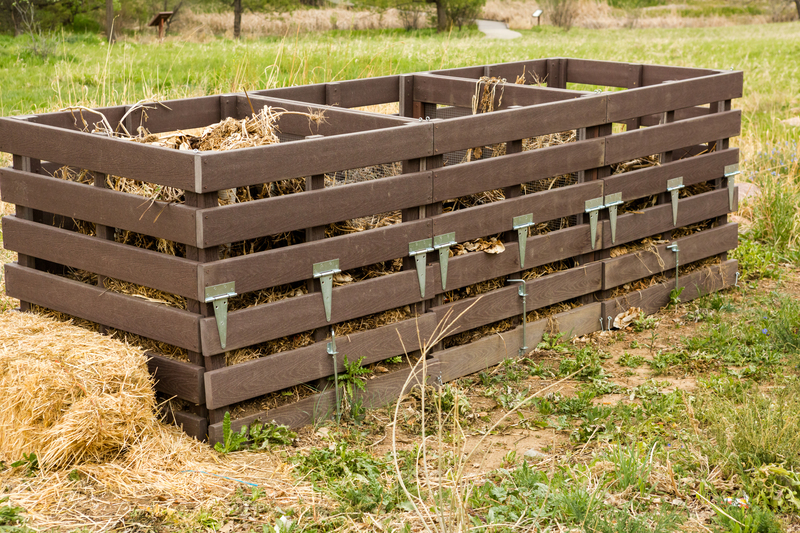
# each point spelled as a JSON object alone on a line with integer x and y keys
{"x": 435, "y": 159}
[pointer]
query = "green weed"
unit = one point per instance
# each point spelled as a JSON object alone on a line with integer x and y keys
{"x": 231, "y": 440}
{"x": 10, "y": 516}
{"x": 734, "y": 519}
{"x": 644, "y": 322}
{"x": 631, "y": 361}
{"x": 553, "y": 343}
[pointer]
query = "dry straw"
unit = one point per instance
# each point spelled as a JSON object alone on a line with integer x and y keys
{"x": 84, "y": 404}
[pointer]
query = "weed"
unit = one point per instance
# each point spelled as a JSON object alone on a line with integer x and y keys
{"x": 675, "y": 297}
{"x": 776, "y": 488}
{"x": 231, "y": 440}
{"x": 10, "y": 515}
{"x": 633, "y": 466}
{"x": 756, "y": 260}
{"x": 586, "y": 363}
{"x": 553, "y": 343}
{"x": 620, "y": 521}
{"x": 662, "y": 362}
{"x": 746, "y": 520}
{"x": 353, "y": 376}
{"x": 264, "y": 436}
{"x": 29, "y": 461}
{"x": 631, "y": 361}
{"x": 644, "y": 322}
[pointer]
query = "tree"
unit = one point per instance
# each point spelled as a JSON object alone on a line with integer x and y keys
{"x": 237, "y": 18}
{"x": 110, "y": 21}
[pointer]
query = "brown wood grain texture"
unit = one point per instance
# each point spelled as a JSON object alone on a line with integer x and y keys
{"x": 285, "y": 369}
{"x": 652, "y": 98}
{"x": 652, "y": 221}
{"x": 453, "y": 91}
{"x": 107, "y": 258}
{"x": 313, "y": 94}
{"x": 265, "y": 164}
{"x": 647, "y": 141}
{"x": 489, "y": 351}
{"x": 623, "y": 269}
{"x": 698, "y": 283}
{"x": 503, "y": 303}
{"x": 290, "y": 212}
{"x": 177, "y": 378}
{"x": 135, "y": 315}
{"x": 295, "y": 263}
{"x": 655, "y": 74}
{"x": 464, "y": 270}
{"x": 119, "y": 157}
{"x": 336, "y": 121}
{"x": 653, "y": 180}
{"x": 303, "y": 313}
{"x": 119, "y": 210}
{"x": 193, "y": 425}
{"x": 680, "y": 114}
{"x": 514, "y": 169}
{"x": 368, "y": 91}
{"x": 182, "y": 114}
{"x": 531, "y": 69}
{"x": 78, "y": 120}
{"x": 490, "y": 219}
{"x": 322, "y": 406}
{"x": 462, "y": 72}
{"x": 603, "y": 73}
{"x": 512, "y": 124}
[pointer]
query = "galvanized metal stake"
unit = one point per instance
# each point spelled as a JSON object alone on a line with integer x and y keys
{"x": 593, "y": 207}
{"x": 521, "y": 292}
{"x": 673, "y": 187}
{"x": 731, "y": 172}
{"x": 443, "y": 243}
{"x": 674, "y": 248}
{"x": 521, "y": 224}
{"x": 419, "y": 251}
{"x": 332, "y": 351}
{"x": 219, "y": 294}
{"x": 324, "y": 272}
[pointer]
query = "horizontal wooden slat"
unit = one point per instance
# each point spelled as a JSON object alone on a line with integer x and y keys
{"x": 497, "y": 172}
{"x": 119, "y": 157}
{"x": 604, "y": 73}
{"x": 503, "y": 303}
{"x": 643, "y": 263}
{"x": 532, "y": 69}
{"x": 493, "y": 350}
{"x": 513, "y": 124}
{"x": 652, "y": 99}
{"x": 496, "y": 217}
{"x": 459, "y": 92}
{"x": 264, "y": 164}
{"x": 638, "y": 225}
{"x": 336, "y": 121}
{"x": 248, "y": 220}
{"x": 94, "y": 204}
{"x": 171, "y": 115}
{"x": 281, "y": 370}
{"x": 177, "y": 378}
{"x": 128, "y": 263}
{"x": 654, "y": 74}
{"x": 473, "y": 268}
{"x": 680, "y": 114}
{"x": 653, "y": 180}
{"x": 74, "y": 119}
{"x": 461, "y": 72}
{"x": 135, "y": 315}
{"x": 648, "y": 141}
{"x": 314, "y": 94}
{"x": 294, "y": 263}
{"x": 314, "y": 409}
{"x": 301, "y": 313}
{"x": 698, "y": 283}
{"x": 367, "y": 91}
{"x": 193, "y": 425}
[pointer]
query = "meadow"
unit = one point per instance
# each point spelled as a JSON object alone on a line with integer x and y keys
{"x": 688, "y": 421}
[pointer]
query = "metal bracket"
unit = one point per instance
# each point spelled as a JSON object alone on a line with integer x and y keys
{"x": 673, "y": 187}
{"x": 601, "y": 324}
{"x": 593, "y": 207}
{"x": 332, "y": 352}
{"x": 419, "y": 251}
{"x": 443, "y": 243}
{"x": 730, "y": 172}
{"x": 521, "y": 292}
{"x": 521, "y": 224}
{"x": 612, "y": 201}
{"x": 324, "y": 272}
{"x": 219, "y": 294}
{"x": 736, "y": 283}
{"x": 674, "y": 248}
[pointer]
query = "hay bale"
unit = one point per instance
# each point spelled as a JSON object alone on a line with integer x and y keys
{"x": 67, "y": 394}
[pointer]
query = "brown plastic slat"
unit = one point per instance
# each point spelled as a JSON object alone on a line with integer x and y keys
{"x": 177, "y": 378}
{"x": 278, "y": 371}
{"x": 152, "y": 320}
{"x": 128, "y": 263}
{"x": 119, "y": 210}
{"x": 153, "y": 164}
{"x": 248, "y": 220}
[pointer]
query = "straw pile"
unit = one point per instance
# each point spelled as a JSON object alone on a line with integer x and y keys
{"x": 84, "y": 404}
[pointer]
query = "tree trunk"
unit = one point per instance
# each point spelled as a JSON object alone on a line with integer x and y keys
{"x": 110, "y": 21}
{"x": 237, "y": 18}
{"x": 441, "y": 15}
{"x": 797, "y": 4}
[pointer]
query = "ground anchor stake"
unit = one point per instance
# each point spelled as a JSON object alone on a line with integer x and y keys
{"x": 521, "y": 292}
{"x": 324, "y": 272}
{"x": 219, "y": 294}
